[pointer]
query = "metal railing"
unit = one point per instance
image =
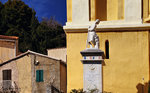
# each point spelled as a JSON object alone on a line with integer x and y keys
{"x": 8, "y": 86}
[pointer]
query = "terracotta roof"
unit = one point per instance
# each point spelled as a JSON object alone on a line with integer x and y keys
{"x": 9, "y": 37}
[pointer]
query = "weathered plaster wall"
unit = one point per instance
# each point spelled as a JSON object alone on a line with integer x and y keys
{"x": 51, "y": 70}
{"x": 24, "y": 74}
{"x": 21, "y": 73}
{"x": 7, "y": 50}
{"x": 126, "y": 68}
{"x": 14, "y": 72}
{"x": 58, "y": 53}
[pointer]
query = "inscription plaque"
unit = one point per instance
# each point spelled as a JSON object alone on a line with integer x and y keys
{"x": 92, "y": 77}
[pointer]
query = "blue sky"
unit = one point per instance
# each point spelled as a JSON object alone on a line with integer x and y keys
{"x": 48, "y": 8}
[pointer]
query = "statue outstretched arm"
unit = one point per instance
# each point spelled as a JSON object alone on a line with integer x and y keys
{"x": 93, "y": 27}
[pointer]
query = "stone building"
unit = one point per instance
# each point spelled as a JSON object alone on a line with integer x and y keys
{"x": 8, "y": 47}
{"x": 124, "y": 37}
{"x": 29, "y": 72}
{"x": 32, "y": 72}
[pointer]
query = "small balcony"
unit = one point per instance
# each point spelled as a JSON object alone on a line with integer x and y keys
{"x": 8, "y": 86}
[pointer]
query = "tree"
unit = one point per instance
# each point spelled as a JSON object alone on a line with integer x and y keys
{"x": 1, "y": 21}
{"x": 50, "y": 34}
{"x": 18, "y": 19}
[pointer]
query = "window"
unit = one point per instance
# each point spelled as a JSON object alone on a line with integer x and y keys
{"x": 39, "y": 76}
{"x": 107, "y": 49}
{"x": 6, "y": 79}
{"x": 6, "y": 74}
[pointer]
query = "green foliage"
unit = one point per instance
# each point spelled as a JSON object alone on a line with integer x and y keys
{"x": 1, "y": 21}
{"x": 18, "y": 19}
{"x": 50, "y": 35}
{"x": 77, "y": 91}
{"x": 81, "y": 91}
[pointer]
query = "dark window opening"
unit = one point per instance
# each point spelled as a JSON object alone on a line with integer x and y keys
{"x": 39, "y": 76}
{"x": 6, "y": 79}
{"x": 6, "y": 74}
{"x": 107, "y": 49}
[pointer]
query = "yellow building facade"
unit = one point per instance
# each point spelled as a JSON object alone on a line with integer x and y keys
{"x": 125, "y": 26}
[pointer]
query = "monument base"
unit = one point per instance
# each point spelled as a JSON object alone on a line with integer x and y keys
{"x": 92, "y": 69}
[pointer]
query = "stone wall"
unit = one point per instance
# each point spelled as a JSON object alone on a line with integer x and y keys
{"x": 21, "y": 75}
{"x": 51, "y": 70}
{"x": 24, "y": 73}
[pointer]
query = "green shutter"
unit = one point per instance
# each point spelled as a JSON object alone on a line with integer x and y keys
{"x": 37, "y": 76}
{"x": 41, "y": 75}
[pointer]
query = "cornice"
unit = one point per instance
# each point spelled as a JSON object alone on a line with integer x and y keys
{"x": 72, "y": 28}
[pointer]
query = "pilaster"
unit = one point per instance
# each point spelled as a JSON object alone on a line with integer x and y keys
{"x": 80, "y": 11}
{"x": 133, "y": 10}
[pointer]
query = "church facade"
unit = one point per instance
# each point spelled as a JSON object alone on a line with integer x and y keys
{"x": 123, "y": 36}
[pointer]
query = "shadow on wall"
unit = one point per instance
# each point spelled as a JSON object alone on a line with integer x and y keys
{"x": 143, "y": 88}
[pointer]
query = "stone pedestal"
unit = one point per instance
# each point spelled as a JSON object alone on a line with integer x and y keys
{"x": 92, "y": 69}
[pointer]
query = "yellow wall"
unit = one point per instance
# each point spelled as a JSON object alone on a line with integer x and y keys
{"x": 92, "y": 10}
{"x": 115, "y": 9}
{"x": 112, "y": 9}
{"x": 120, "y": 9}
{"x": 75, "y": 43}
{"x": 69, "y": 10}
{"x": 146, "y": 10}
{"x": 24, "y": 74}
{"x": 123, "y": 72}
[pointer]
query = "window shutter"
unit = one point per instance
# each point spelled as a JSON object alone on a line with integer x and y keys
{"x": 37, "y": 76}
{"x": 41, "y": 75}
{"x": 8, "y": 74}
